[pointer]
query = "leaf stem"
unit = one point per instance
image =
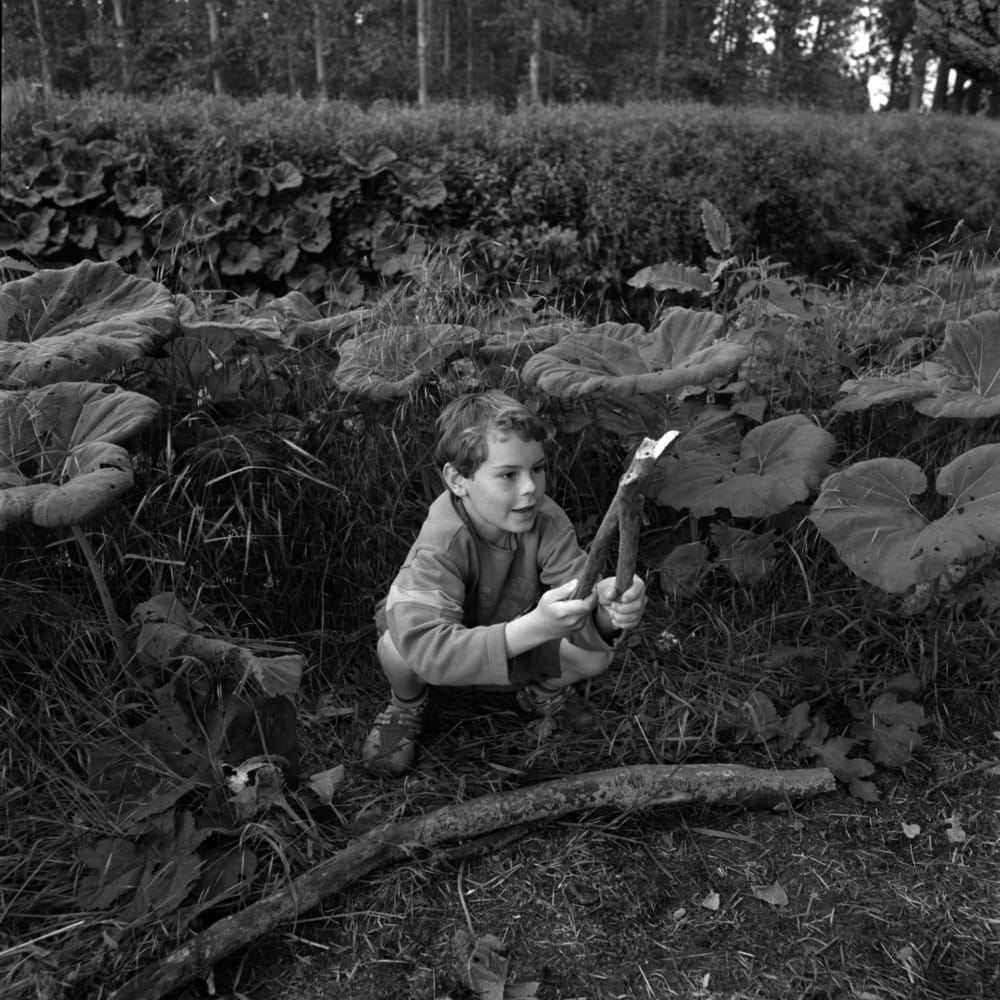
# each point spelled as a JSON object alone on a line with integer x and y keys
{"x": 117, "y": 632}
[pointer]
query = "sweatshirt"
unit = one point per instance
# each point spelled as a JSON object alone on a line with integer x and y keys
{"x": 448, "y": 606}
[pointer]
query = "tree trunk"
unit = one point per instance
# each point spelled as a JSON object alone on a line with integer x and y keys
{"x": 660, "y": 62}
{"x": 422, "y": 52}
{"x": 214, "y": 47}
{"x": 44, "y": 60}
{"x": 446, "y": 42}
{"x": 535, "y": 56}
{"x": 121, "y": 44}
{"x": 468, "y": 50}
{"x": 940, "y": 101}
{"x": 918, "y": 79}
{"x": 642, "y": 786}
{"x": 319, "y": 50}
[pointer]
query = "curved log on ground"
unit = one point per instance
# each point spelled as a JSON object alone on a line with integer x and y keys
{"x": 623, "y": 788}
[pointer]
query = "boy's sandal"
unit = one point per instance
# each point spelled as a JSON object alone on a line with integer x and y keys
{"x": 390, "y": 747}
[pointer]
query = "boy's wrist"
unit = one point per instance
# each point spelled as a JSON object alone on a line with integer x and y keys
{"x": 525, "y": 633}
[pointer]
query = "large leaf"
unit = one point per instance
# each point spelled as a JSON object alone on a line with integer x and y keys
{"x": 866, "y": 513}
{"x": 79, "y": 323}
{"x": 168, "y": 633}
{"x": 61, "y": 462}
{"x": 623, "y": 361}
{"x": 388, "y": 363}
{"x": 668, "y": 277}
{"x": 971, "y": 351}
{"x": 780, "y": 463}
{"x": 962, "y": 380}
{"x": 971, "y": 527}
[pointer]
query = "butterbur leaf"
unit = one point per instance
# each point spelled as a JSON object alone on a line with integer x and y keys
{"x": 60, "y": 459}
{"x": 971, "y": 527}
{"x": 623, "y": 360}
{"x": 961, "y": 380}
{"x": 866, "y": 513}
{"x": 780, "y": 463}
{"x": 168, "y": 633}
{"x": 667, "y": 276}
{"x": 389, "y": 363}
{"x": 80, "y": 322}
{"x": 971, "y": 352}
{"x": 285, "y": 175}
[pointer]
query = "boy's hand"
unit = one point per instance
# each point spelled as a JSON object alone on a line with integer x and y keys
{"x": 560, "y": 616}
{"x": 623, "y": 611}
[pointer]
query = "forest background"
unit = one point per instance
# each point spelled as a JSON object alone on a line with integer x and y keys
{"x": 825, "y": 54}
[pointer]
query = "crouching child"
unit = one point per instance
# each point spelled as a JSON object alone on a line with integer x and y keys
{"x": 484, "y": 596}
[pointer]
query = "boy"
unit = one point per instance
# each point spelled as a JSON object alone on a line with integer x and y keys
{"x": 483, "y": 598}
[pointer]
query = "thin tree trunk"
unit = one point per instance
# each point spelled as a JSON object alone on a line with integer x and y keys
{"x": 319, "y": 50}
{"x": 941, "y": 86}
{"x": 660, "y": 62}
{"x": 422, "y": 53}
{"x": 446, "y": 41}
{"x": 214, "y": 39}
{"x": 121, "y": 44}
{"x": 44, "y": 61}
{"x": 918, "y": 79}
{"x": 535, "y": 57}
{"x": 468, "y": 50}
{"x": 289, "y": 65}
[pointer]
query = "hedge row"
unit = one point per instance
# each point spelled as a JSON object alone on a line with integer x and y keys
{"x": 281, "y": 193}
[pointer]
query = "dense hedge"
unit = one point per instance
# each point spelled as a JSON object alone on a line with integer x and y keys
{"x": 281, "y": 192}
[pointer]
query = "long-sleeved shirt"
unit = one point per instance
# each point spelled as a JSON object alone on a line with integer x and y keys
{"x": 448, "y": 606}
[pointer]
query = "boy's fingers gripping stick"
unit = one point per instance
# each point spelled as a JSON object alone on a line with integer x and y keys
{"x": 622, "y": 517}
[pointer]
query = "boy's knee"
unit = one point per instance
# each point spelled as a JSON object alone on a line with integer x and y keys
{"x": 586, "y": 662}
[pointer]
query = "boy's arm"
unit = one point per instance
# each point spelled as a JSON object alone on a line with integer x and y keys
{"x": 424, "y": 613}
{"x": 556, "y": 616}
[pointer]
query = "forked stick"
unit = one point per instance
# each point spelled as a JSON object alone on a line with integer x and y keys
{"x": 622, "y": 518}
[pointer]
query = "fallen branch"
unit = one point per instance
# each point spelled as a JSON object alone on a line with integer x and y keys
{"x": 622, "y": 519}
{"x": 623, "y": 788}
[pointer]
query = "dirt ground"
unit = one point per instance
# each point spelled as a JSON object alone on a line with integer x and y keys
{"x": 837, "y": 899}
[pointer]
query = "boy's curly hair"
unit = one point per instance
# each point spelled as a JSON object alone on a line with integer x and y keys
{"x": 466, "y": 424}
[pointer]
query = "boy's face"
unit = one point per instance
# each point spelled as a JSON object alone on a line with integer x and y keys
{"x": 502, "y": 496}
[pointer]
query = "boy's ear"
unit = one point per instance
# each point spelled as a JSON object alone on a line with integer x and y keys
{"x": 453, "y": 479}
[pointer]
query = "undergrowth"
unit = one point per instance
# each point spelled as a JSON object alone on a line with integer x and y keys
{"x": 285, "y": 538}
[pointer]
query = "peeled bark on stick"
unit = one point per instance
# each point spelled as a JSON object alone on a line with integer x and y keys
{"x": 623, "y": 788}
{"x": 622, "y": 519}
